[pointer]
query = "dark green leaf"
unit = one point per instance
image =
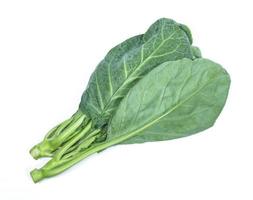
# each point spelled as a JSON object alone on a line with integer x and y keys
{"x": 124, "y": 65}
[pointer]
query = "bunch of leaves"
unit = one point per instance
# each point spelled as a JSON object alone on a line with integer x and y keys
{"x": 151, "y": 87}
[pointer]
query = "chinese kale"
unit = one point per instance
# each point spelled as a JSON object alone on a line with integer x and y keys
{"x": 151, "y": 87}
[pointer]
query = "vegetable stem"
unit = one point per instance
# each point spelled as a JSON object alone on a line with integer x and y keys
{"x": 60, "y": 135}
{"x": 56, "y": 166}
{"x": 71, "y": 142}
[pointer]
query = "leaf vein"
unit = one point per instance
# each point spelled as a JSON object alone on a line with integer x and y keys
{"x": 99, "y": 93}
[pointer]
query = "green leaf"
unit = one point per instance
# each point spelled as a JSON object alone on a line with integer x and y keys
{"x": 174, "y": 100}
{"x": 128, "y": 62}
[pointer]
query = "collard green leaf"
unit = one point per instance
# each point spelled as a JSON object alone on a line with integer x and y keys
{"x": 174, "y": 100}
{"x": 125, "y": 64}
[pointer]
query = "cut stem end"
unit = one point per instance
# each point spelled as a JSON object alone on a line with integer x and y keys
{"x": 36, "y": 175}
{"x": 35, "y": 152}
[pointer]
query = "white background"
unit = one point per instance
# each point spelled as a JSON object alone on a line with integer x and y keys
{"x": 48, "y": 50}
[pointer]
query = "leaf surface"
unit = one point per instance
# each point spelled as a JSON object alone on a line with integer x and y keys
{"x": 174, "y": 100}
{"x": 125, "y": 64}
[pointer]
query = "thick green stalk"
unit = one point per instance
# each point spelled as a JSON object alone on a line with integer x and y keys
{"x": 60, "y": 135}
{"x": 81, "y": 145}
{"x": 56, "y": 166}
{"x": 71, "y": 142}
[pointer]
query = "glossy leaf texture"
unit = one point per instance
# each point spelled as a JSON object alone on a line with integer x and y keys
{"x": 126, "y": 63}
{"x": 174, "y": 100}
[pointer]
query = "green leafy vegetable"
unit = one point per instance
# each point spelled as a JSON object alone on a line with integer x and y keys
{"x": 168, "y": 103}
{"x": 122, "y": 67}
{"x": 151, "y": 87}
